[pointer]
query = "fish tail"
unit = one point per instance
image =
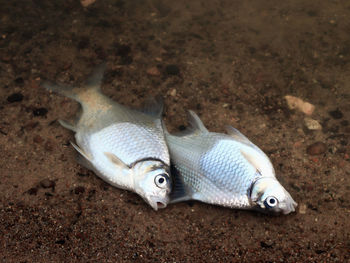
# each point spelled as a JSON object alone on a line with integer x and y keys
{"x": 92, "y": 85}
{"x": 95, "y": 80}
{"x": 64, "y": 90}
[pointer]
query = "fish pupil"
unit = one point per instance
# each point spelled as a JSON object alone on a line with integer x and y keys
{"x": 272, "y": 201}
{"x": 161, "y": 180}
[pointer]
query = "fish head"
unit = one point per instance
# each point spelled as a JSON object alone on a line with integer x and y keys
{"x": 152, "y": 182}
{"x": 270, "y": 196}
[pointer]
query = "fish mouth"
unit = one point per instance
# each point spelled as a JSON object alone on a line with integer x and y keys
{"x": 290, "y": 207}
{"x": 157, "y": 203}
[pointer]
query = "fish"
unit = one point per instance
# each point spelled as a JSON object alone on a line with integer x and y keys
{"x": 224, "y": 169}
{"x": 124, "y": 147}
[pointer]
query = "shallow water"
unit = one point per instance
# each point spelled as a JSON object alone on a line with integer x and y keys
{"x": 230, "y": 61}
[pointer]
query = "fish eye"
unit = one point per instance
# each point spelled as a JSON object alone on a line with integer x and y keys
{"x": 270, "y": 202}
{"x": 161, "y": 180}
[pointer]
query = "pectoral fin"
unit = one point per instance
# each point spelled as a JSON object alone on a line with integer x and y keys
{"x": 259, "y": 161}
{"x": 252, "y": 160}
{"x": 85, "y": 163}
{"x": 114, "y": 159}
{"x": 68, "y": 126}
{"x": 237, "y": 135}
{"x": 86, "y": 156}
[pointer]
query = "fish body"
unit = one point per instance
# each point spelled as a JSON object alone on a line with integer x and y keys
{"x": 125, "y": 147}
{"x": 224, "y": 169}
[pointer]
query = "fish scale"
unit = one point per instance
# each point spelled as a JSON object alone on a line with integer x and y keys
{"x": 142, "y": 142}
{"x": 220, "y": 165}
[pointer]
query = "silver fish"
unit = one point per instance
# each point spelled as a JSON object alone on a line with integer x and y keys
{"x": 227, "y": 170}
{"x": 124, "y": 147}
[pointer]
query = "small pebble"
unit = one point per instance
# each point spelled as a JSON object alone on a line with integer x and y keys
{"x": 49, "y": 146}
{"x": 32, "y": 191}
{"x": 344, "y": 123}
{"x": 316, "y": 148}
{"x": 39, "y": 111}
{"x": 47, "y": 183}
{"x": 336, "y": 114}
{"x": 30, "y": 125}
{"x": 15, "y": 97}
{"x": 312, "y": 124}
{"x": 84, "y": 43}
{"x": 266, "y": 244}
{"x": 122, "y": 50}
{"x": 60, "y": 242}
{"x": 38, "y": 139}
{"x": 153, "y": 71}
{"x": 173, "y": 93}
{"x": 79, "y": 189}
{"x": 86, "y": 3}
{"x": 19, "y": 81}
{"x": 172, "y": 70}
{"x": 302, "y": 209}
{"x": 297, "y": 103}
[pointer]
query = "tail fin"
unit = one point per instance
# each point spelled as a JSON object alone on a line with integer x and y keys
{"x": 93, "y": 83}
{"x": 64, "y": 90}
{"x": 95, "y": 80}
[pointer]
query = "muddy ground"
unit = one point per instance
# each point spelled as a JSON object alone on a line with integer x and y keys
{"x": 230, "y": 61}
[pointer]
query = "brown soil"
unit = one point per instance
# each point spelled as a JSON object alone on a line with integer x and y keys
{"x": 232, "y": 62}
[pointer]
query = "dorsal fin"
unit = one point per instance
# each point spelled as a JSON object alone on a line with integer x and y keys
{"x": 154, "y": 106}
{"x": 196, "y": 125}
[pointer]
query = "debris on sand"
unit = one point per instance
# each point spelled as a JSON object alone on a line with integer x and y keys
{"x": 172, "y": 70}
{"x": 316, "y": 148}
{"x": 297, "y": 103}
{"x": 153, "y": 71}
{"x": 173, "y": 92}
{"x": 47, "y": 183}
{"x": 302, "y": 209}
{"x": 15, "y": 97}
{"x": 86, "y": 3}
{"x": 336, "y": 114}
{"x": 312, "y": 124}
